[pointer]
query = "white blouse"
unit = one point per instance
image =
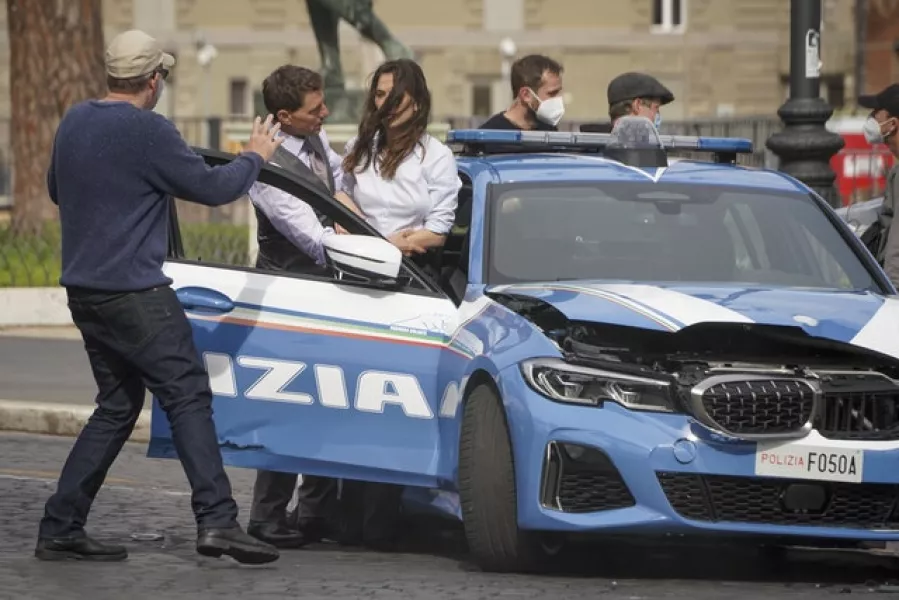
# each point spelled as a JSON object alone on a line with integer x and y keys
{"x": 422, "y": 195}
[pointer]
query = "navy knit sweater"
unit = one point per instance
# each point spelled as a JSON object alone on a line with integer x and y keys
{"x": 112, "y": 171}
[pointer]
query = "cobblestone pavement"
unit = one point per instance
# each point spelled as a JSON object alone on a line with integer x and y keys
{"x": 144, "y": 498}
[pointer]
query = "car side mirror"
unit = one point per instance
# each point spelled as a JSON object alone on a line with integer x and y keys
{"x": 363, "y": 258}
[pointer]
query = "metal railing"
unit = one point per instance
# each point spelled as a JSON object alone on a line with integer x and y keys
{"x": 222, "y": 234}
{"x": 35, "y": 260}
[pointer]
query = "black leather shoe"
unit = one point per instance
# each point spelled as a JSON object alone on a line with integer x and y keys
{"x": 315, "y": 531}
{"x": 78, "y": 548}
{"x": 278, "y": 535}
{"x": 234, "y": 542}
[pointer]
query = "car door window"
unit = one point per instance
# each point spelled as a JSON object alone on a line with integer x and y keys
{"x": 229, "y": 244}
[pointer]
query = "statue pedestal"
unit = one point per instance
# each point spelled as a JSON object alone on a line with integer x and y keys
{"x": 345, "y": 106}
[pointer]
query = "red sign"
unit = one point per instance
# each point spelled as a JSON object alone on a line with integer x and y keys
{"x": 860, "y": 167}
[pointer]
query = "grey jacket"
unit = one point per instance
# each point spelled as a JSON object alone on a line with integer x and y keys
{"x": 890, "y": 244}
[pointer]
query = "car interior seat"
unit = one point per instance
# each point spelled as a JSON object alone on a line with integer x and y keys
{"x": 452, "y": 257}
{"x": 699, "y": 251}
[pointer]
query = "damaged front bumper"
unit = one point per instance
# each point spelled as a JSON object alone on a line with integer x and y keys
{"x": 608, "y": 469}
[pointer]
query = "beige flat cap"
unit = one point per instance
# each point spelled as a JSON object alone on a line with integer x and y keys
{"x": 134, "y": 53}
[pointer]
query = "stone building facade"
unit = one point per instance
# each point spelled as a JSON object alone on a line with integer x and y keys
{"x": 720, "y": 57}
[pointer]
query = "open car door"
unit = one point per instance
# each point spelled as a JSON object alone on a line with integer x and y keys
{"x": 312, "y": 374}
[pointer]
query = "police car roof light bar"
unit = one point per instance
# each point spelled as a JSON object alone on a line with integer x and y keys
{"x": 593, "y": 141}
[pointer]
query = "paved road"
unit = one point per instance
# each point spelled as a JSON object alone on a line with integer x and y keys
{"x": 45, "y": 370}
{"x": 146, "y": 496}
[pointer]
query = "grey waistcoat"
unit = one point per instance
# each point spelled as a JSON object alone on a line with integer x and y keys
{"x": 276, "y": 251}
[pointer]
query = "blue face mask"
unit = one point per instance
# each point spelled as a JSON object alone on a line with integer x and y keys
{"x": 658, "y": 120}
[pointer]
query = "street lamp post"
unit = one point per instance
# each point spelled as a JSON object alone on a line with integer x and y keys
{"x": 805, "y": 147}
{"x": 499, "y": 93}
{"x": 206, "y": 53}
{"x": 507, "y": 50}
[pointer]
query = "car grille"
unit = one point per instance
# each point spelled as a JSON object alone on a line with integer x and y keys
{"x": 859, "y": 407}
{"x": 757, "y": 406}
{"x": 582, "y": 479}
{"x": 762, "y": 501}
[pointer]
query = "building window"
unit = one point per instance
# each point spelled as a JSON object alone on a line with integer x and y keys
{"x": 668, "y": 16}
{"x": 238, "y": 97}
{"x": 503, "y": 15}
{"x": 481, "y": 99}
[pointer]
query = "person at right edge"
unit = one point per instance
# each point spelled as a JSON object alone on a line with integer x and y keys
{"x": 115, "y": 166}
{"x": 881, "y": 127}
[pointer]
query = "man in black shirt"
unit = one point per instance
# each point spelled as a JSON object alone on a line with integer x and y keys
{"x": 537, "y": 89}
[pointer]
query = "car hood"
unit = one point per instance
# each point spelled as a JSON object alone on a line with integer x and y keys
{"x": 863, "y": 319}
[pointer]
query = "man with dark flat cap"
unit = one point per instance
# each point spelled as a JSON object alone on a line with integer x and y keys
{"x": 881, "y": 127}
{"x": 639, "y": 95}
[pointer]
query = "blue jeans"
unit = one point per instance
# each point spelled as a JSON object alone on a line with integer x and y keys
{"x": 137, "y": 341}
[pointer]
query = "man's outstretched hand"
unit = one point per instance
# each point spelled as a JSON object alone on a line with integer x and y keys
{"x": 264, "y": 139}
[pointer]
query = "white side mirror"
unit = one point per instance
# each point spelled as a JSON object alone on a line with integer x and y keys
{"x": 363, "y": 257}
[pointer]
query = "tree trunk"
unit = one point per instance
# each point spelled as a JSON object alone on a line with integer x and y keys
{"x": 56, "y": 60}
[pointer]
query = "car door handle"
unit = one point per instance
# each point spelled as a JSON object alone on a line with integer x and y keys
{"x": 204, "y": 300}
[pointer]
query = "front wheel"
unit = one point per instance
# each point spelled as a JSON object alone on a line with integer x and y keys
{"x": 488, "y": 495}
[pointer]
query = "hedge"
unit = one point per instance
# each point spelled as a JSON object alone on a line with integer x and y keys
{"x": 35, "y": 261}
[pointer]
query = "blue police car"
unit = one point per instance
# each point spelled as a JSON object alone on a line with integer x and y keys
{"x": 612, "y": 340}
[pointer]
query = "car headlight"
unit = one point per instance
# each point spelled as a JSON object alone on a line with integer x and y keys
{"x": 575, "y": 384}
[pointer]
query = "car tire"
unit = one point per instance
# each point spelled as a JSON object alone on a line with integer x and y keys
{"x": 488, "y": 494}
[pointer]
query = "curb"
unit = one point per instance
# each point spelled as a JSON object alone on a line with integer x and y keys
{"x": 34, "y": 307}
{"x": 45, "y": 332}
{"x": 51, "y": 418}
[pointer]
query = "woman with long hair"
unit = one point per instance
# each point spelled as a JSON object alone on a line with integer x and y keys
{"x": 404, "y": 183}
{"x": 402, "y": 180}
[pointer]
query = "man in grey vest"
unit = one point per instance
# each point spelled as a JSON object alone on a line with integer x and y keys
{"x": 290, "y": 236}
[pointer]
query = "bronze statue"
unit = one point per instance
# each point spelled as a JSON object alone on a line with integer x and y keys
{"x": 325, "y": 17}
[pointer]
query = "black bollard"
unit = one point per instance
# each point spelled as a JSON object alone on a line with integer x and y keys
{"x": 804, "y": 146}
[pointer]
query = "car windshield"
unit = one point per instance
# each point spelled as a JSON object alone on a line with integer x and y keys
{"x": 667, "y": 232}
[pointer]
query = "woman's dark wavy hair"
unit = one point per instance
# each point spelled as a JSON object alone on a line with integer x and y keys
{"x": 393, "y": 144}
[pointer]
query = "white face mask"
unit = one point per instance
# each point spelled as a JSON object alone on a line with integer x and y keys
{"x": 550, "y": 110}
{"x": 872, "y": 131}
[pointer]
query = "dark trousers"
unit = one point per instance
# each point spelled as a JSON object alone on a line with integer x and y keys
{"x": 273, "y": 491}
{"x": 370, "y": 512}
{"x": 361, "y": 512}
{"x": 136, "y": 341}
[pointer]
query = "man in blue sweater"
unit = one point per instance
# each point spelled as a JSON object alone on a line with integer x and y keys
{"x": 114, "y": 167}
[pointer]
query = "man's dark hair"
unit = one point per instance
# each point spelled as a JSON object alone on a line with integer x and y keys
{"x": 528, "y": 71}
{"x": 624, "y": 108}
{"x": 287, "y": 86}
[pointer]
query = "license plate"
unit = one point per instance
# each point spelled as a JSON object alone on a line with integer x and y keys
{"x": 799, "y": 461}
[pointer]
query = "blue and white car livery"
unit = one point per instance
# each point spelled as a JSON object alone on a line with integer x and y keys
{"x": 609, "y": 342}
